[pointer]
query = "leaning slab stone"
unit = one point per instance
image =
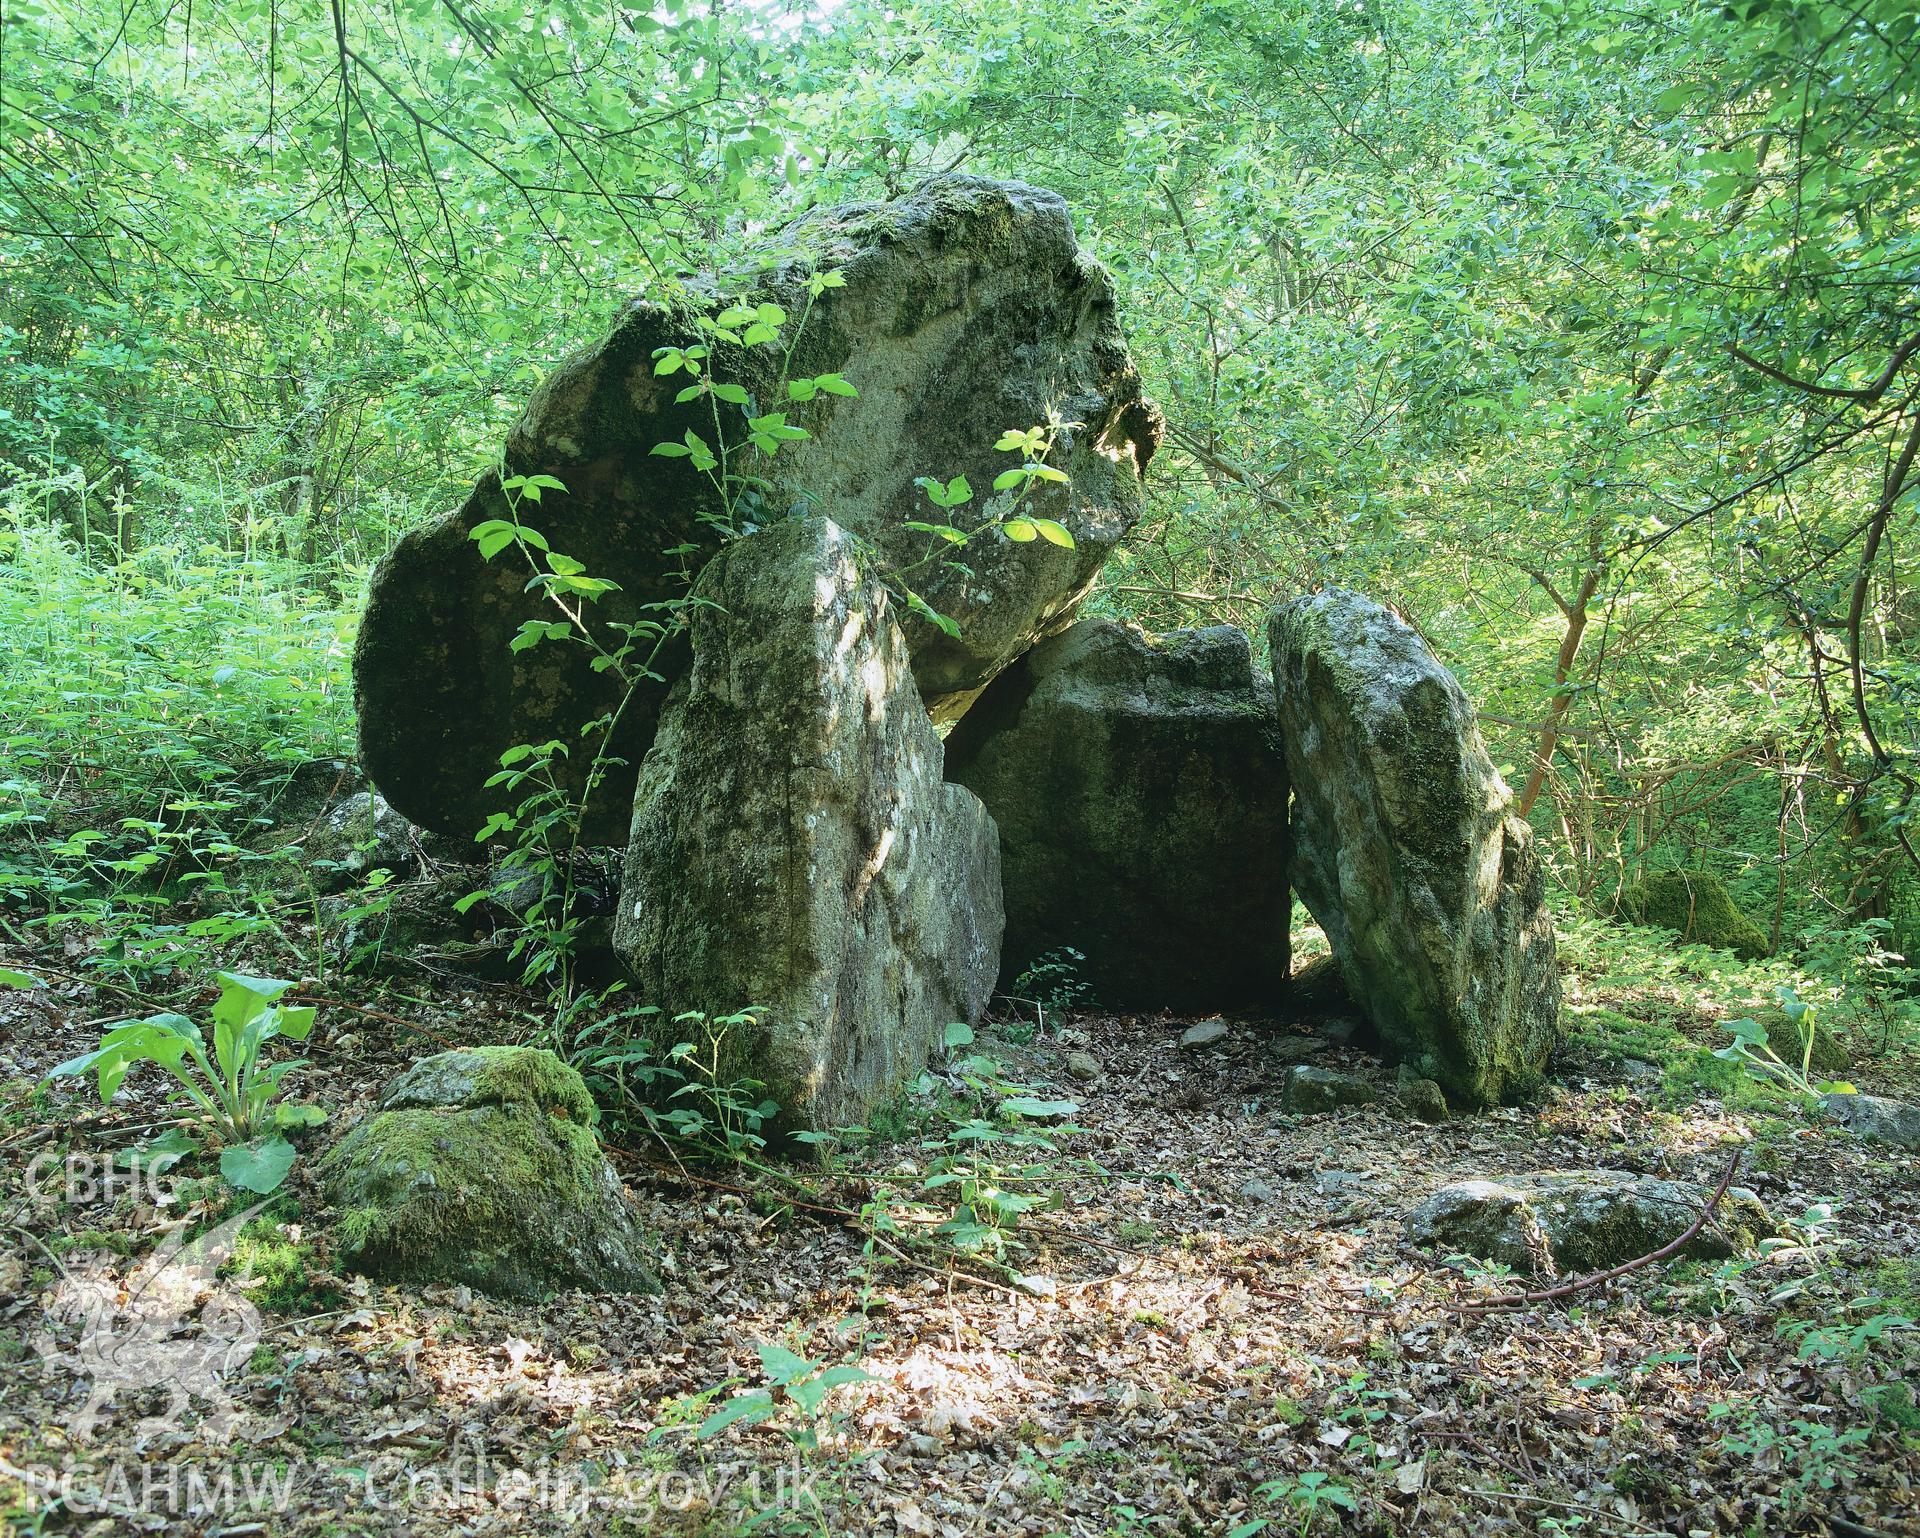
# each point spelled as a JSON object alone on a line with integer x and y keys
{"x": 794, "y": 846}
{"x": 968, "y": 309}
{"x": 1406, "y": 850}
{"x": 1875, "y": 1118}
{"x": 1580, "y": 1221}
{"x": 481, "y": 1166}
{"x": 1141, "y": 795}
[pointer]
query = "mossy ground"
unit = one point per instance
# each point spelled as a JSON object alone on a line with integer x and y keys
{"x": 1202, "y": 1341}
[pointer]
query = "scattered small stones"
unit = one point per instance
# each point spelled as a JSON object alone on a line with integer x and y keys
{"x": 1582, "y": 1220}
{"x": 1312, "y": 1090}
{"x": 1205, "y": 1034}
{"x": 1875, "y": 1118}
{"x": 1257, "y": 1190}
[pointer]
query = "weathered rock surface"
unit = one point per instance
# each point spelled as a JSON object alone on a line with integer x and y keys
{"x": 794, "y": 846}
{"x": 361, "y": 834}
{"x": 1084, "y": 1066}
{"x": 1208, "y": 1033}
{"x": 1311, "y": 1091}
{"x": 1584, "y": 1220}
{"x": 1696, "y": 905}
{"x": 481, "y": 1166}
{"x": 1141, "y": 795}
{"x": 1406, "y": 850}
{"x": 1423, "y": 1099}
{"x": 968, "y": 308}
{"x": 1875, "y": 1118}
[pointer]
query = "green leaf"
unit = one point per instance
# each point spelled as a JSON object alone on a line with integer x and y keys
{"x": 782, "y": 1365}
{"x": 259, "y": 1166}
{"x": 244, "y": 999}
{"x": 958, "y": 1034}
{"x": 1053, "y": 533}
{"x": 1039, "y": 1110}
{"x": 12, "y": 979}
{"x": 752, "y": 1408}
{"x": 1021, "y": 531}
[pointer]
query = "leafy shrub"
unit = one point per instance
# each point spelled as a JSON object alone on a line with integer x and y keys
{"x": 234, "y": 1095}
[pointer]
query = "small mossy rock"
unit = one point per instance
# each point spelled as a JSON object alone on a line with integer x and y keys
{"x": 1311, "y": 1091}
{"x": 1141, "y": 794}
{"x": 474, "y": 1076}
{"x": 794, "y": 846}
{"x": 967, "y": 308}
{"x": 1875, "y": 1118}
{"x": 1572, "y": 1222}
{"x": 1407, "y": 851}
{"x": 1696, "y": 905}
{"x": 481, "y": 1166}
{"x": 1424, "y": 1100}
{"x": 1788, "y": 1038}
{"x": 360, "y": 834}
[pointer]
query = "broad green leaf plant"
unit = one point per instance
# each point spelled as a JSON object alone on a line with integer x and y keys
{"x": 231, "y": 1093}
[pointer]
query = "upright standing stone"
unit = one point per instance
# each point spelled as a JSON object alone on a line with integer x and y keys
{"x": 967, "y": 308}
{"x": 794, "y": 846}
{"x": 1141, "y": 795}
{"x": 1407, "y": 851}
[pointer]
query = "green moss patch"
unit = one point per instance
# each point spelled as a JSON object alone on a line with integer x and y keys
{"x": 481, "y": 1167}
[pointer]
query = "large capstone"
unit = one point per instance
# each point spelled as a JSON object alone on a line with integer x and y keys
{"x": 1407, "y": 851}
{"x": 1141, "y": 794}
{"x": 794, "y": 847}
{"x": 967, "y": 309}
{"x": 481, "y": 1166}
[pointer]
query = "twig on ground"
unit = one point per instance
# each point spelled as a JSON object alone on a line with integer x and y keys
{"x": 1543, "y": 1500}
{"x": 1581, "y": 1284}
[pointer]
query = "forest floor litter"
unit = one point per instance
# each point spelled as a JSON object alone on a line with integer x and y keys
{"x": 1217, "y": 1322}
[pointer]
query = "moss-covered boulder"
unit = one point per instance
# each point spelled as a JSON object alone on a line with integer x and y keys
{"x": 1141, "y": 795}
{"x": 794, "y": 846}
{"x": 968, "y": 308}
{"x": 481, "y": 1166}
{"x": 1407, "y": 851}
{"x": 1696, "y": 905}
{"x": 1577, "y": 1221}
